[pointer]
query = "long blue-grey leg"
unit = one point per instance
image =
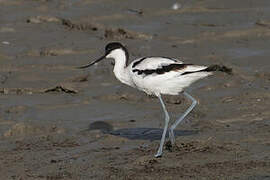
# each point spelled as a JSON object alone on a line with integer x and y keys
{"x": 167, "y": 119}
{"x": 171, "y": 133}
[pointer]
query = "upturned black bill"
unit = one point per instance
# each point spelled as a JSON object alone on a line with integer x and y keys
{"x": 92, "y": 63}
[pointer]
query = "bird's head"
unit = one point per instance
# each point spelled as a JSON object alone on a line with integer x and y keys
{"x": 112, "y": 50}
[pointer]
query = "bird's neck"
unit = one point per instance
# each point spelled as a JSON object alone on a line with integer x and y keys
{"x": 120, "y": 68}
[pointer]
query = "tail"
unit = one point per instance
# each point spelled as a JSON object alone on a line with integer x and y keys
{"x": 218, "y": 68}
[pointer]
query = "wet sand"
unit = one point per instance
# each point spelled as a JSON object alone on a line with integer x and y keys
{"x": 57, "y": 122}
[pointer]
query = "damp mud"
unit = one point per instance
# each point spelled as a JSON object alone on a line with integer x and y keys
{"x": 59, "y": 122}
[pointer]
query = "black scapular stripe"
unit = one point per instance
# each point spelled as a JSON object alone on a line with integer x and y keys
{"x": 138, "y": 62}
{"x": 161, "y": 70}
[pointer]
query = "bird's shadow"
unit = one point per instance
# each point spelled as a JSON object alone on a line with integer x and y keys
{"x": 136, "y": 133}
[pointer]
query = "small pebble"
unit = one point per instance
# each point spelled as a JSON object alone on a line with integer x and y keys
{"x": 6, "y": 42}
{"x": 176, "y": 6}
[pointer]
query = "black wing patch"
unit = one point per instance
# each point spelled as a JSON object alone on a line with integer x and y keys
{"x": 138, "y": 62}
{"x": 211, "y": 69}
{"x": 161, "y": 70}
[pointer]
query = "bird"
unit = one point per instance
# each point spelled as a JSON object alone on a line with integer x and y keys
{"x": 156, "y": 76}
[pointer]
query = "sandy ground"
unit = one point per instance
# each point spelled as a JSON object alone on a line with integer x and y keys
{"x": 57, "y": 122}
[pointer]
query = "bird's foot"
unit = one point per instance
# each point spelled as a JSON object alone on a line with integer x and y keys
{"x": 159, "y": 154}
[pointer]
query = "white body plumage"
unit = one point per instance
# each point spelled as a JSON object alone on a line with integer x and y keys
{"x": 142, "y": 73}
